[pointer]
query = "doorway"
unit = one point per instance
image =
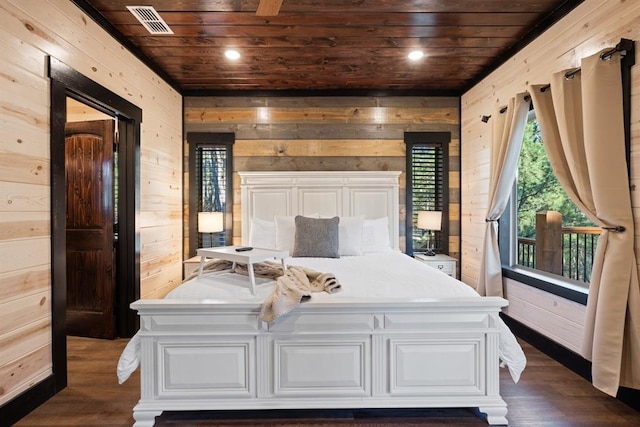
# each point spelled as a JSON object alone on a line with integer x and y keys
{"x": 67, "y": 85}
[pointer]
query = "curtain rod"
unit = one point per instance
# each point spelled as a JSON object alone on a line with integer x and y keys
{"x": 485, "y": 118}
{"x": 623, "y": 47}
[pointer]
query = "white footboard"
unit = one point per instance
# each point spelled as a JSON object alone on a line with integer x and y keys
{"x": 208, "y": 355}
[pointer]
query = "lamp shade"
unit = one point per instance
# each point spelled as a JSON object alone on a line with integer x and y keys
{"x": 430, "y": 220}
{"x": 210, "y": 222}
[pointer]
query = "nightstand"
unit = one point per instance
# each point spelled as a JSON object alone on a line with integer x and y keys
{"x": 442, "y": 262}
{"x": 191, "y": 265}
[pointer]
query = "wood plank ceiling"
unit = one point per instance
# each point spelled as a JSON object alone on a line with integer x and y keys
{"x": 336, "y": 46}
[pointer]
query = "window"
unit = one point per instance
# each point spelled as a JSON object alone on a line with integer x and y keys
{"x": 555, "y": 251}
{"x": 210, "y": 185}
{"x": 545, "y": 217}
{"x": 427, "y": 188}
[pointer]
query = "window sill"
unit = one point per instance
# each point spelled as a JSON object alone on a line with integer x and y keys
{"x": 548, "y": 283}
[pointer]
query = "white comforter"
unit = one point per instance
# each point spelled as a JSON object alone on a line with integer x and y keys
{"x": 386, "y": 275}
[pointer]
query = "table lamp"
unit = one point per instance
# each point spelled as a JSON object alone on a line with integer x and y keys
{"x": 210, "y": 222}
{"x": 430, "y": 221}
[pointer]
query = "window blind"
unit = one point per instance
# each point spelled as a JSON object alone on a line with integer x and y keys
{"x": 211, "y": 182}
{"x": 427, "y": 183}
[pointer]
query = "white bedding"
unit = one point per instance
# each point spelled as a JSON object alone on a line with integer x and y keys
{"x": 386, "y": 275}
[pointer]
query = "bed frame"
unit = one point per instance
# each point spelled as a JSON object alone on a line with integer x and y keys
{"x": 422, "y": 353}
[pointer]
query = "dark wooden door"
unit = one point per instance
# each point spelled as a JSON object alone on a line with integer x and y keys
{"x": 90, "y": 220}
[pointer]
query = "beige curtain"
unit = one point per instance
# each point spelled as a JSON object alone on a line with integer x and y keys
{"x": 581, "y": 121}
{"x": 508, "y": 131}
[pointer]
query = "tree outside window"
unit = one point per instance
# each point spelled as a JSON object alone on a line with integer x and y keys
{"x": 546, "y": 214}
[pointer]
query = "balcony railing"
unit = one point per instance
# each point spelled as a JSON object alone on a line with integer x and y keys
{"x": 568, "y": 251}
{"x": 527, "y": 252}
{"x": 578, "y": 249}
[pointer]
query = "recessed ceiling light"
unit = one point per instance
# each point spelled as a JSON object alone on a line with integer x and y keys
{"x": 232, "y": 54}
{"x": 414, "y": 55}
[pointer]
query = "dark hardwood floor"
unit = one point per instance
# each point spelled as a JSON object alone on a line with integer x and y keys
{"x": 547, "y": 395}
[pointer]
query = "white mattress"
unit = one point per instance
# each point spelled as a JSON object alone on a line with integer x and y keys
{"x": 378, "y": 275}
{"x": 384, "y": 275}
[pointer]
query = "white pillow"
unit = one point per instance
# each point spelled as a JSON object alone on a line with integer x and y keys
{"x": 375, "y": 235}
{"x": 350, "y": 235}
{"x": 262, "y": 234}
{"x": 286, "y": 231}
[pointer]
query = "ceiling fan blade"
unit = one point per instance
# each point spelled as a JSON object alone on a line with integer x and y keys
{"x": 268, "y": 7}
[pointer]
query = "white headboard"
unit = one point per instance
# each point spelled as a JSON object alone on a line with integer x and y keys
{"x": 372, "y": 194}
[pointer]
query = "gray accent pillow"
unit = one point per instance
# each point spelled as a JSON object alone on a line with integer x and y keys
{"x": 316, "y": 237}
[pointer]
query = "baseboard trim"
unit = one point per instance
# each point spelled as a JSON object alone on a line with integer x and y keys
{"x": 23, "y": 404}
{"x": 567, "y": 358}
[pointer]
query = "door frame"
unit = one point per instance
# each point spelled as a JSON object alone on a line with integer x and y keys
{"x": 67, "y": 82}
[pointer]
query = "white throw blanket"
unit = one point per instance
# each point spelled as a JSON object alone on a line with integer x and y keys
{"x": 292, "y": 287}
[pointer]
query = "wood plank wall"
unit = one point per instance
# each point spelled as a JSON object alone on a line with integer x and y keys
{"x": 594, "y": 25}
{"x": 326, "y": 133}
{"x": 29, "y": 31}
{"x": 79, "y": 112}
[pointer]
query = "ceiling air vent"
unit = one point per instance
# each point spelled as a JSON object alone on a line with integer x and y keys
{"x": 149, "y": 17}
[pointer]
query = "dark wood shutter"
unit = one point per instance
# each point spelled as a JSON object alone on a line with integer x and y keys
{"x": 427, "y": 184}
{"x": 210, "y": 185}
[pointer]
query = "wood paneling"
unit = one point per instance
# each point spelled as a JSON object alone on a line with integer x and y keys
{"x": 24, "y": 253}
{"x": 29, "y": 338}
{"x": 20, "y": 283}
{"x": 18, "y": 225}
{"x": 325, "y": 115}
{"x": 326, "y": 133}
{"x": 79, "y": 112}
{"x": 30, "y": 31}
{"x": 25, "y": 371}
{"x": 321, "y": 148}
{"x": 342, "y": 45}
{"x": 552, "y": 316}
{"x": 19, "y": 312}
{"x": 15, "y": 167}
{"x": 303, "y": 130}
{"x": 19, "y": 197}
{"x": 159, "y": 284}
{"x": 593, "y": 26}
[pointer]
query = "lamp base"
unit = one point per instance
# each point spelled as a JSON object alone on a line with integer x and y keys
{"x": 426, "y": 250}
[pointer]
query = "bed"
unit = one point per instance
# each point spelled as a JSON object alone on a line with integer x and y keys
{"x": 416, "y": 339}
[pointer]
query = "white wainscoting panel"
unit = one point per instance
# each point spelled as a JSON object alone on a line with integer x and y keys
{"x": 354, "y": 322}
{"x": 370, "y": 204}
{"x": 436, "y": 321}
{"x": 320, "y": 367}
{"x": 437, "y": 366}
{"x": 557, "y": 318}
{"x": 268, "y": 203}
{"x": 213, "y": 369}
{"x": 326, "y": 202}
